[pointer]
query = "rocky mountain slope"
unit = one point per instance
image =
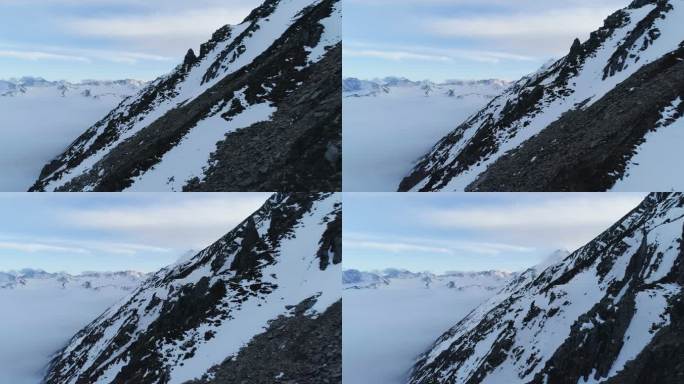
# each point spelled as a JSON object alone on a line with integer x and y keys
{"x": 257, "y": 108}
{"x": 610, "y": 312}
{"x": 221, "y": 314}
{"x": 606, "y": 116}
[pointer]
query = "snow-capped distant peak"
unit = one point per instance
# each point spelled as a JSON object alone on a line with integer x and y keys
{"x": 354, "y": 87}
{"x": 391, "y": 277}
{"x": 39, "y": 279}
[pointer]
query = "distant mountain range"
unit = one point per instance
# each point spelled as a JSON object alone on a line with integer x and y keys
{"x": 39, "y": 279}
{"x": 37, "y": 86}
{"x": 488, "y": 280}
{"x": 353, "y": 87}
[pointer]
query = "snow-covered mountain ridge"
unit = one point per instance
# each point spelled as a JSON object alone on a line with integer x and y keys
{"x": 258, "y": 108}
{"x": 488, "y": 280}
{"x": 606, "y": 116}
{"x": 35, "y": 86}
{"x": 199, "y": 319}
{"x": 39, "y": 279}
{"x": 353, "y": 87}
{"x": 610, "y": 312}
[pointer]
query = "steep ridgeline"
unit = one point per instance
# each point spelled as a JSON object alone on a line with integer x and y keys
{"x": 219, "y": 317}
{"x": 605, "y": 116}
{"x": 258, "y": 109}
{"x": 611, "y": 312}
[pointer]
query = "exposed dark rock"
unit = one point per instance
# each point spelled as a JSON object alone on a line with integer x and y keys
{"x": 296, "y": 349}
{"x": 588, "y": 149}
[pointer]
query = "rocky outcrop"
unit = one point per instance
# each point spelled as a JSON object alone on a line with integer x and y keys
{"x": 588, "y": 149}
{"x": 297, "y": 349}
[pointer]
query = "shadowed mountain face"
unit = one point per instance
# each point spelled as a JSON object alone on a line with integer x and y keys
{"x": 228, "y": 305}
{"x": 257, "y": 109}
{"x": 611, "y": 312}
{"x": 600, "y": 118}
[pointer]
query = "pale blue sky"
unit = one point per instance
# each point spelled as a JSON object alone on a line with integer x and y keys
{"x": 463, "y": 39}
{"x": 107, "y": 39}
{"x": 472, "y": 232}
{"x": 78, "y": 232}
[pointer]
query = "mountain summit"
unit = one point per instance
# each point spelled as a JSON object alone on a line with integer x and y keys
{"x": 606, "y": 116}
{"x": 262, "y": 302}
{"x": 610, "y": 312}
{"x": 258, "y": 108}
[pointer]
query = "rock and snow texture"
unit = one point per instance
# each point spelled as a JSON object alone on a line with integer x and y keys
{"x": 413, "y": 114}
{"x": 610, "y": 312}
{"x": 30, "y": 139}
{"x": 188, "y": 321}
{"x": 387, "y": 325}
{"x": 588, "y": 122}
{"x": 258, "y": 108}
{"x": 40, "y": 312}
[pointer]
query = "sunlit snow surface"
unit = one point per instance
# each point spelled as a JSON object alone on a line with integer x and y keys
{"x": 30, "y": 139}
{"x": 385, "y": 329}
{"x": 39, "y": 318}
{"x": 386, "y": 133}
{"x": 659, "y": 159}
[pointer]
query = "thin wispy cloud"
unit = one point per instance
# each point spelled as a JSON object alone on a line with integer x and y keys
{"x": 393, "y": 55}
{"x": 57, "y": 53}
{"x": 193, "y": 222}
{"x": 424, "y": 53}
{"x": 192, "y": 23}
{"x": 479, "y": 231}
{"x": 417, "y": 245}
{"x": 90, "y": 39}
{"x": 38, "y": 55}
{"x": 144, "y": 232}
{"x": 559, "y": 213}
{"x": 527, "y": 32}
{"x": 32, "y": 247}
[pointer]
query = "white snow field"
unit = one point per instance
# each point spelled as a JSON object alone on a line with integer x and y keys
{"x": 387, "y": 130}
{"x": 656, "y": 160}
{"x": 385, "y": 329}
{"x": 42, "y": 312}
{"x": 39, "y": 119}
